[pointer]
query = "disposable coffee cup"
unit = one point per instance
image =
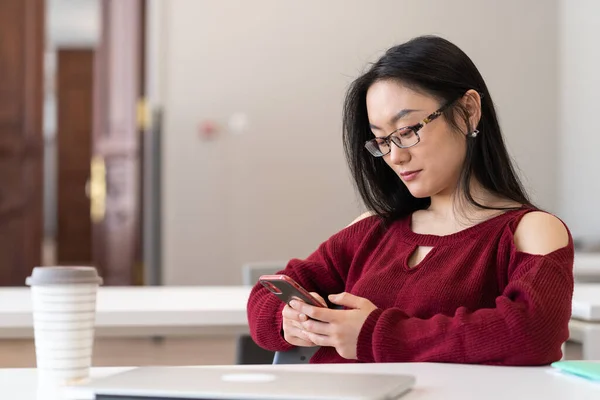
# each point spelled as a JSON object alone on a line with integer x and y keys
{"x": 64, "y": 317}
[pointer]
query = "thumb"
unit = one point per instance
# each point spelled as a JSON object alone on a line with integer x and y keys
{"x": 319, "y": 298}
{"x": 346, "y": 299}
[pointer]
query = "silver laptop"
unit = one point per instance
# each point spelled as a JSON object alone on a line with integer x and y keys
{"x": 235, "y": 383}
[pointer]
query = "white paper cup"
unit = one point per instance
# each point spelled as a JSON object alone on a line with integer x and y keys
{"x": 64, "y": 313}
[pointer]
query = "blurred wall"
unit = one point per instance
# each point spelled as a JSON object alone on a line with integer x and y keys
{"x": 579, "y": 138}
{"x": 279, "y": 186}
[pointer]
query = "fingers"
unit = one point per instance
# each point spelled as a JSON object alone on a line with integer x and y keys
{"x": 347, "y": 300}
{"x": 293, "y": 315}
{"x": 319, "y": 340}
{"x": 319, "y": 313}
{"x": 303, "y": 322}
{"x": 318, "y": 297}
{"x": 292, "y": 327}
{"x": 301, "y": 342}
{"x": 294, "y": 335}
{"x": 318, "y": 327}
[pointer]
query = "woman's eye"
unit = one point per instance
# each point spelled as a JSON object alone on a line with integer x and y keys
{"x": 406, "y": 134}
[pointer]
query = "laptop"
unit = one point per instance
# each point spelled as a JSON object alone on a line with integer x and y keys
{"x": 235, "y": 383}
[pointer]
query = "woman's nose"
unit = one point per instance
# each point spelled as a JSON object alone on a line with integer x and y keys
{"x": 398, "y": 155}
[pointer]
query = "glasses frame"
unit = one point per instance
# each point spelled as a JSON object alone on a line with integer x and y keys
{"x": 415, "y": 128}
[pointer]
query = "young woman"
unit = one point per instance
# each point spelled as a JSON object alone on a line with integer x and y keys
{"x": 452, "y": 263}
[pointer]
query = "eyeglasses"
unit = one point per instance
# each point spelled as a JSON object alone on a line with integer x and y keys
{"x": 401, "y": 137}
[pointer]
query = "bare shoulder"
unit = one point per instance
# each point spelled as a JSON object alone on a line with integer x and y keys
{"x": 540, "y": 233}
{"x": 361, "y": 217}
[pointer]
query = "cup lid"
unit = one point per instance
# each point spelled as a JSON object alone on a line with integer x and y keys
{"x": 63, "y": 276}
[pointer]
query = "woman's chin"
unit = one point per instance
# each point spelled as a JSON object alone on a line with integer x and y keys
{"x": 419, "y": 192}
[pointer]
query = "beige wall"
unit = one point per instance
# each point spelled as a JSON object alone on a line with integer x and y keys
{"x": 578, "y": 117}
{"x": 281, "y": 187}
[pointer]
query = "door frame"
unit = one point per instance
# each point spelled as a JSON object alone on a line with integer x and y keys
{"x": 21, "y": 141}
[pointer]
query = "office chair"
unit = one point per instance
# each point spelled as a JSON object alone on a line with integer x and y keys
{"x": 247, "y": 351}
{"x": 297, "y": 355}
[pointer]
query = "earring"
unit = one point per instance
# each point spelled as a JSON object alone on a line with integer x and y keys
{"x": 474, "y": 133}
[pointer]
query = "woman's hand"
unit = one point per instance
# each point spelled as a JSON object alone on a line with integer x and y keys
{"x": 333, "y": 328}
{"x": 292, "y": 324}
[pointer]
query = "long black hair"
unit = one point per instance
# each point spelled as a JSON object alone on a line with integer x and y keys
{"x": 435, "y": 66}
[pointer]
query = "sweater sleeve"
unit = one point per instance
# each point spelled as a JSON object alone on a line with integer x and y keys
{"x": 527, "y": 326}
{"x": 324, "y": 272}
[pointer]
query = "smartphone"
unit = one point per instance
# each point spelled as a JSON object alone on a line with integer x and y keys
{"x": 287, "y": 289}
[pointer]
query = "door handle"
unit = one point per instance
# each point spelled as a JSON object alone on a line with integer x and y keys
{"x": 97, "y": 189}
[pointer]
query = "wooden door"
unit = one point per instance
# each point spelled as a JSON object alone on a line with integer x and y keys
{"x": 21, "y": 142}
{"x": 115, "y": 170}
{"x": 75, "y": 78}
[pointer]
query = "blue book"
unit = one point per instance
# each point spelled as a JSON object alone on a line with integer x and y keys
{"x": 586, "y": 369}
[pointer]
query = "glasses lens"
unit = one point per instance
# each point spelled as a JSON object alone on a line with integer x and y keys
{"x": 377, "y": 147}
{"x": 405, "y": 138}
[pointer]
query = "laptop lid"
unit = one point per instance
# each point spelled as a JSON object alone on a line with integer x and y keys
{"x": 235, "y": 383}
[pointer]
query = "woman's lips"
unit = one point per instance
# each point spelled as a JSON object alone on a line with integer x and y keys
{"x": 410, "y": 175}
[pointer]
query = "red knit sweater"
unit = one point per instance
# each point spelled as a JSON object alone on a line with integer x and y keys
{"x": 474, "y": 298}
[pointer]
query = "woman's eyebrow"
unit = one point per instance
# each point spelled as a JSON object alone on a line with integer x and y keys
{"x": 399, "y": 115}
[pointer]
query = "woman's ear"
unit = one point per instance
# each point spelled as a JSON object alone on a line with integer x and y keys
{"x": 472, "y": 103}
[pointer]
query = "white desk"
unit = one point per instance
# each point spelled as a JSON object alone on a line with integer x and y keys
{"x": 170, "y": 310}
{"x": 587, "y": 267}
{"x": 434, "y": 381}
{"x": 586, "y": 302}
{"x": 150, "y": 311}
{"x": 584, "y": 326}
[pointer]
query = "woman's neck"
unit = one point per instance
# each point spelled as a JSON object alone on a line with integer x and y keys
{"x": 455, "y": 205}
